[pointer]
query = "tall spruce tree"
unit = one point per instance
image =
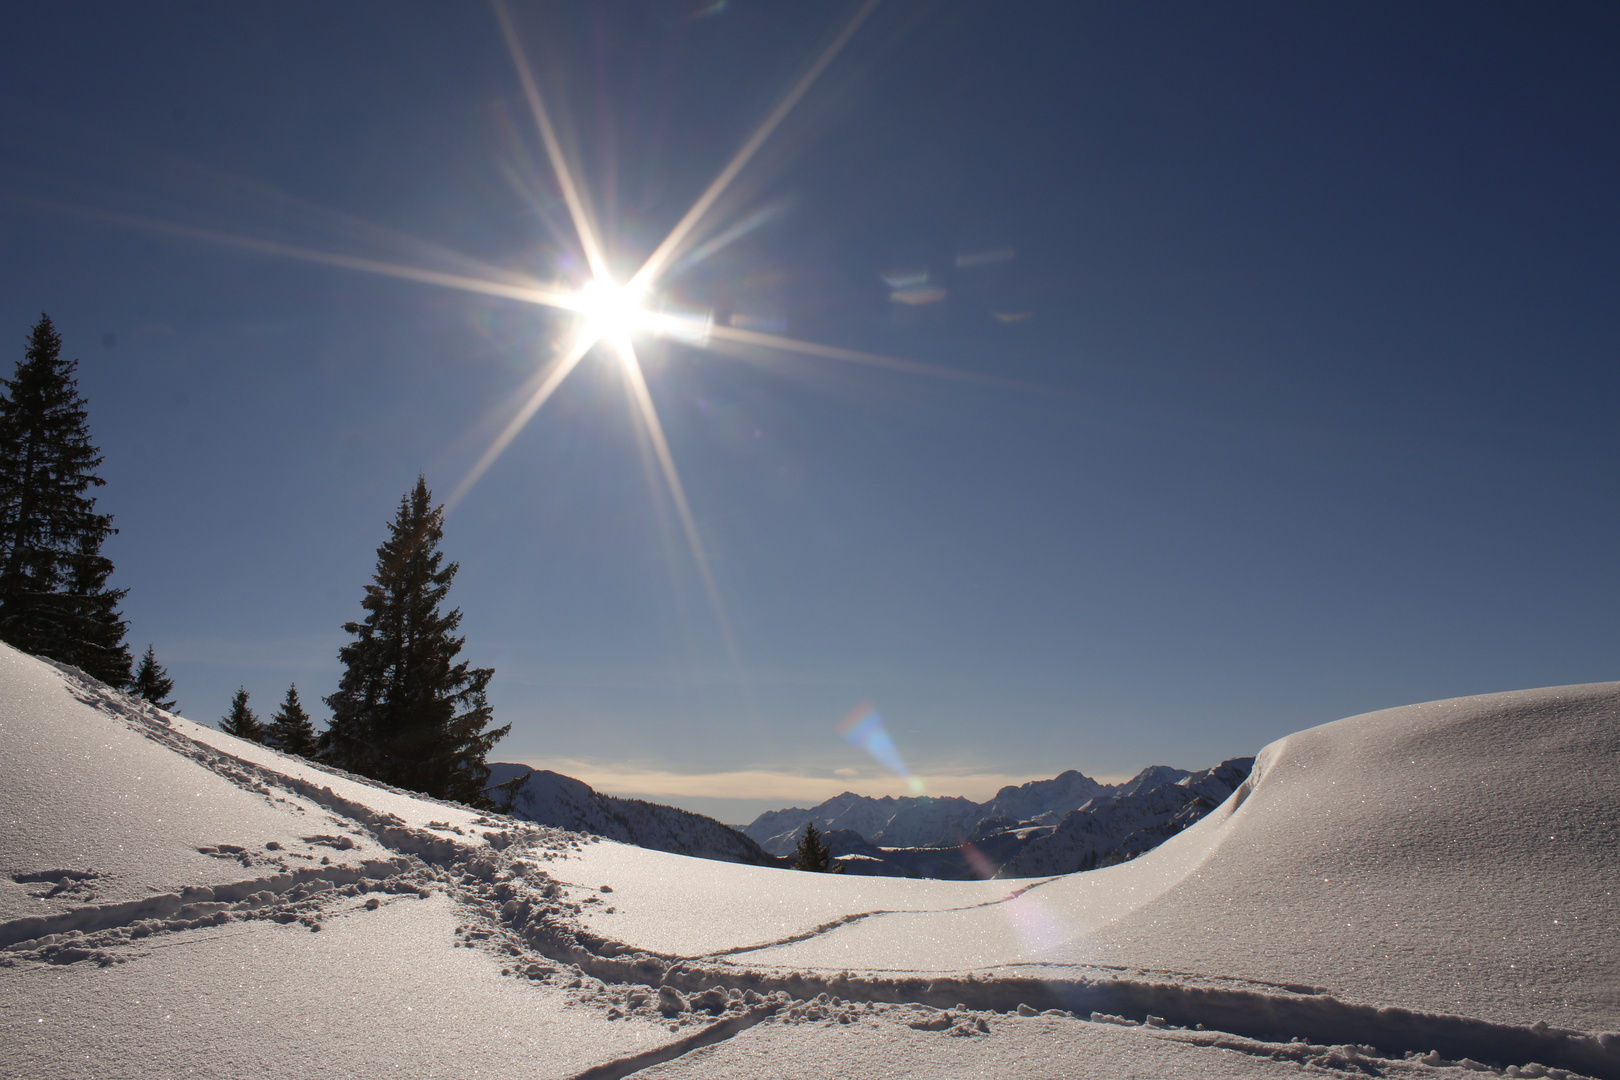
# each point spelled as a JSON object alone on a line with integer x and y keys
{"x": 54, "y": 599}
{"x": 152, "y": 683}
{"x": 241, "y": 721}
{"x": 813, "y": 855}
{"x": 406, "y": 712}
{"x": 290, "y": 728}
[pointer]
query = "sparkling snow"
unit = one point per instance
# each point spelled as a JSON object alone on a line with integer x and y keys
{"x": 1421, "y": 891}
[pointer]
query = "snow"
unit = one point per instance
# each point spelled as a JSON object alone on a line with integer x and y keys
{"x": 1048, "y": 1048}
{"x": 1436, "y": 856}
{"x": 350, "y": 1001}
{"x": 87, "y": 795}
{"x": 1427, "y": 890}
{"x": 673, "y": 905}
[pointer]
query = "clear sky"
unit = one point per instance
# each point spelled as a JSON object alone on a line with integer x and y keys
{"x": 1287, "y": 334}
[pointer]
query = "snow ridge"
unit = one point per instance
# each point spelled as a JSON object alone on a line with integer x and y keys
{"x": 319, "y": 851}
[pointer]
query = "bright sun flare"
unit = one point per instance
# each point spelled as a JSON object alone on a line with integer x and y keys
{"x": 611, "y": 312}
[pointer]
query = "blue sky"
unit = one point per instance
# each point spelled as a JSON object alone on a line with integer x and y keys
{"x": 1290, "y": 336}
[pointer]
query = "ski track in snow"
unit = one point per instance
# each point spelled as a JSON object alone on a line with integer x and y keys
{"x": 506, "y": 879}
{"x": 845, "y": 920}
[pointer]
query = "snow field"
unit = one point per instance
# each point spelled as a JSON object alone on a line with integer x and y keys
{"x": 276, "y": 1001}
{"x": 94, "y": 811}
{"x": 674, "y": 905}
{"x": 298, "y": 922}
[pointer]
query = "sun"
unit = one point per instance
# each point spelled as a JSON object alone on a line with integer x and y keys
{"x": 607, "y": 313}
{"x": 611, "y": 312}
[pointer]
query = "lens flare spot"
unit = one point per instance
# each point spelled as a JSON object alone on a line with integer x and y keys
{"x": 688, "y": 325}
{"x": 978, "y": 862}
{"x": 905, "y": 279}
{"x": 918, "y": 295}
{"x": 983, "y": 258}
{"x": 1041, "y": 930}
{"x": 864, "y": 728}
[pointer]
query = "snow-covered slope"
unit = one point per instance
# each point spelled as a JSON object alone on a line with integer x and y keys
{"x": 1390, "y": 856}
{"x": 1460, "y": 857}
{"x": 565, "y": 803}
{"x": 177, "y": 902}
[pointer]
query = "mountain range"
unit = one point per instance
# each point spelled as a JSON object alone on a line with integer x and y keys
{"x": 1070, "y": 822}
{"x": 1045, "y": 827}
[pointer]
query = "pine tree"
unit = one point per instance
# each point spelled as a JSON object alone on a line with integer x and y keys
{"x": 813, "y": 855}
{"x": 54, "y": 599}
{"x": 241, "y": 721}
{"x": 290, "y": 728}
{"x": 405, "y": 712}
{"x": 152, "y": 683}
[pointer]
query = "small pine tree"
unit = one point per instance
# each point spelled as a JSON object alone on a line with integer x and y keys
{"x": 54, "y": 599}
{"x": 152, "y": 683}
{"x": 405, "y": 712}
{"x": 813, "y": 855}
{"x": 241, "y": 721}
{"x": 290, "y": 728}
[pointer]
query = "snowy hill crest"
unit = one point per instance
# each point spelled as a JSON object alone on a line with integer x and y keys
{"x": 1384, "y": 899}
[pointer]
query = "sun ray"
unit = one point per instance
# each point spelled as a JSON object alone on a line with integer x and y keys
{"x": 545, "y": 383}
{"x": 608, "y": 313}
{"x": 763, "y": 340}
{"x": 654, "y": 266}
{"x": 677, "y": 491}
{"x": 729, "y": 236}
{"x": 654, "y": 479}
{"x": 577, "y": 210}
{"x": 516, "y": 289}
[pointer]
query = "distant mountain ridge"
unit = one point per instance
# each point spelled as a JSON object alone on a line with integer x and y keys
{"x": 908, "y": 821}
{"x": 1070, "y": 822}
{"x": 565, "y": 803}
{"x": 924, "y": 821}
{"x": 1041, "y": 798}
{"x": 1043, "y": 828}
{"x": 1138, "y": 818}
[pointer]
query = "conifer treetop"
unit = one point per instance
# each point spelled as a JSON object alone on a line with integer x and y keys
{"x": 54, "y": 599}
{"x": 406, "y": 711}
{"x": 241, "y": 721}
{"x": 814, "y": 855}
{"x": 152, "y": 683}
{"x": 291, "y": 731}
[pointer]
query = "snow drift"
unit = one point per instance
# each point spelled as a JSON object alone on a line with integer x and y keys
{"x": 1423, "y": 888}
